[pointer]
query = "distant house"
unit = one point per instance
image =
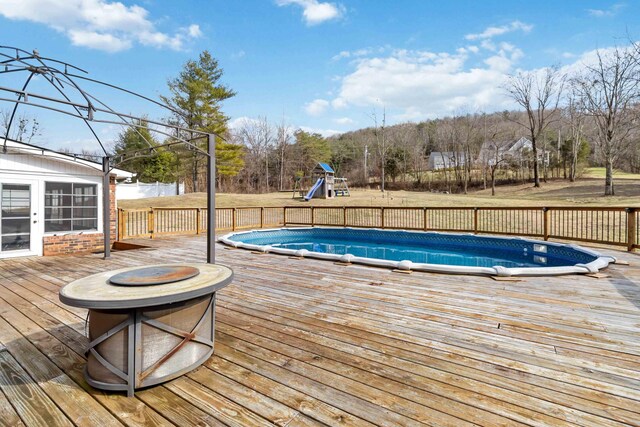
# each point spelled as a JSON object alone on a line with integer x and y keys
{"x": 50, "y": 202}
{"x": 515, "y": 151}
{"x": 439, "y": 160}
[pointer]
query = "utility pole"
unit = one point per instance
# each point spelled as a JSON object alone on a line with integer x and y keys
{"x": 384, "y": 148}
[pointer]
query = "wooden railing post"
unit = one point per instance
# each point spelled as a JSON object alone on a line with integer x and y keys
{"x": 284, "y": 216}
{"x": 382, "y": 216}
{"x": 150, "y": 222}
{"x": 545, "y": 223}
{"x": 631, "y": 228}
{"x": 262, "y": 217}
{"x": 198, "y": 218}
{"x": 344, "y": 216}
{"x": 313, "y": 216}
{"x": 475, "y": 220}
{"x": 425, "y": 218}
{"x": 120, "y": 224}
{"x": 233, "y": 219}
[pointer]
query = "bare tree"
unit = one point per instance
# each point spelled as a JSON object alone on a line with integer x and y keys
{"x": 24, "y": 126}
{"x": 93, "y": 155}
{"x": 495, "y": 158}
{"x": 257, "y": 136}
{"x": 470, "y": 142}
{"x": 575, "y": 118}
{"x": 265, "y": 134}
{"x": 609, "y": 91}
{"x": 493, "y": 152}
{"x": 284, "y": 134}
{"x": 403, "y": 136}
{"x": 381, "y": 143}
{"x": 539, "y": 94}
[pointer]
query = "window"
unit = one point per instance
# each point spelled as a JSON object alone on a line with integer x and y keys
{"x": 70, "y": 207}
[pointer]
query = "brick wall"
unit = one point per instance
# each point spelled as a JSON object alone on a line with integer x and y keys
{"x": 65, "y": 244}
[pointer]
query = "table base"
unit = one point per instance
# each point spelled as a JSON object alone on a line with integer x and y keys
{"x": 141, "y": 347}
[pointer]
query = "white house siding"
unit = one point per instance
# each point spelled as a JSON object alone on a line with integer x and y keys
{"x": 445, "y": 160}
{"x": 36, "y": 170}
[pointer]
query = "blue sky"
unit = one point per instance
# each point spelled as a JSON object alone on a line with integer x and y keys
{"x": 320, "y": 65}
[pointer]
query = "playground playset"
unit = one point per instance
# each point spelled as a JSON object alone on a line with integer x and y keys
{"x": 326, "y": 185}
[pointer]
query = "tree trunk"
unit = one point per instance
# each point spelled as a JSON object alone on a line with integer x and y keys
{"x": 281, "y": 184}
{"x": 573, "y": 166}
{"x": 484, "y": 177}
{"x": 493, "y": 181}
{"x": 545, "y": 170}
{"x": 195, "y": 174}
{"x": 266, "y": 171}
{"x": 608, "y": 182}
{"x": 536, "y": 174}
{"x": 465, "y": 179}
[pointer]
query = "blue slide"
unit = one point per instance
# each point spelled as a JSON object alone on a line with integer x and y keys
{"x": 314, "y": 189}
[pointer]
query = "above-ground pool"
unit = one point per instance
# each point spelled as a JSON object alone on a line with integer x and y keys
{"x": 426, "y": 251}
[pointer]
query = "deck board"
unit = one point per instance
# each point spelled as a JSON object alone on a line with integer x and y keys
{"x": 307, "y": 343}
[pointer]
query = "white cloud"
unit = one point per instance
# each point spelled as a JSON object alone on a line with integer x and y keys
{"x": 488, "y": 45}
{"x": 106, "y": 42}
{"x": 498, "y": 63}
{"x": 323, "y": 132}
{"x": 491, "y": 32}
{"x": 421, "y": 84}
{"x": 344, "y": 121}
{"x": 612, "y": 11}
{"x": 339, "y": 103}
{"x": 314, "y": 11}
{"x": 239, "y": 54}
{"x": 341, "y": 55}
{"x": 98, "y": 24}
{"x": 358, "y": 53}
{"x": 589, "y": 59}
{"x": 240, "y": 122}
{"x": 418, "y": 85}
{"x": 317, "y": 107}
{"x": 194, "y": 31}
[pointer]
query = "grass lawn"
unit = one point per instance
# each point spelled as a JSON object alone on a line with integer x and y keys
{"x": 600, "y": 174}
{"x": 585, "y": 192}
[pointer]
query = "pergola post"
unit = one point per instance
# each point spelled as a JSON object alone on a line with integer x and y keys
{"x": 211, "y": 199}
{"x": 106, "y": 207}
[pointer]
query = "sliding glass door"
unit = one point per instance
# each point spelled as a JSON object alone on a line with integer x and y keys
{"x": 15, "y": 218}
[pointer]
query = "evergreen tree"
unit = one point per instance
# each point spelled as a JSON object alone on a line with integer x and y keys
{"x": 311, "y": 148}
{"x": 229, "y": 160}
{"x": 196, "y": 97}
{"x": 155, "y": 165}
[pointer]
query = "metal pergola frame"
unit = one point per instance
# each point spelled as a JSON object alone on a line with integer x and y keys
{"x": 64, "y": 77}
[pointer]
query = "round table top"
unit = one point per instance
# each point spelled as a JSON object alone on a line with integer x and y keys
{"x": 96, "y": 292}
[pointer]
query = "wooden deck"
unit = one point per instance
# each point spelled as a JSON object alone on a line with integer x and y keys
{"x": 307, "y": 342}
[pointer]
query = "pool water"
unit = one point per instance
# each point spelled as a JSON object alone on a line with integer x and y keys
{"x": 423, "y": 254}
{"x": 427, "y": 251}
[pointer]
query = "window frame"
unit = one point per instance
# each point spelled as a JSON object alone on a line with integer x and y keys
{"x": 72, "y": 207}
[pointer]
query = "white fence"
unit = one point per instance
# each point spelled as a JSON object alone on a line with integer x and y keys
{"x": 140, "y": 190}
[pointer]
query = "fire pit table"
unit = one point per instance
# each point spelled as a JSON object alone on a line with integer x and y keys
{"x": 147, "y": 325}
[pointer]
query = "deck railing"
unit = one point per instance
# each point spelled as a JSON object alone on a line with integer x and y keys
{"x": 609, "y": 226}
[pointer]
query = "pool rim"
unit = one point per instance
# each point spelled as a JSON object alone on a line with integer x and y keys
{"x": 601, "y": 261}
